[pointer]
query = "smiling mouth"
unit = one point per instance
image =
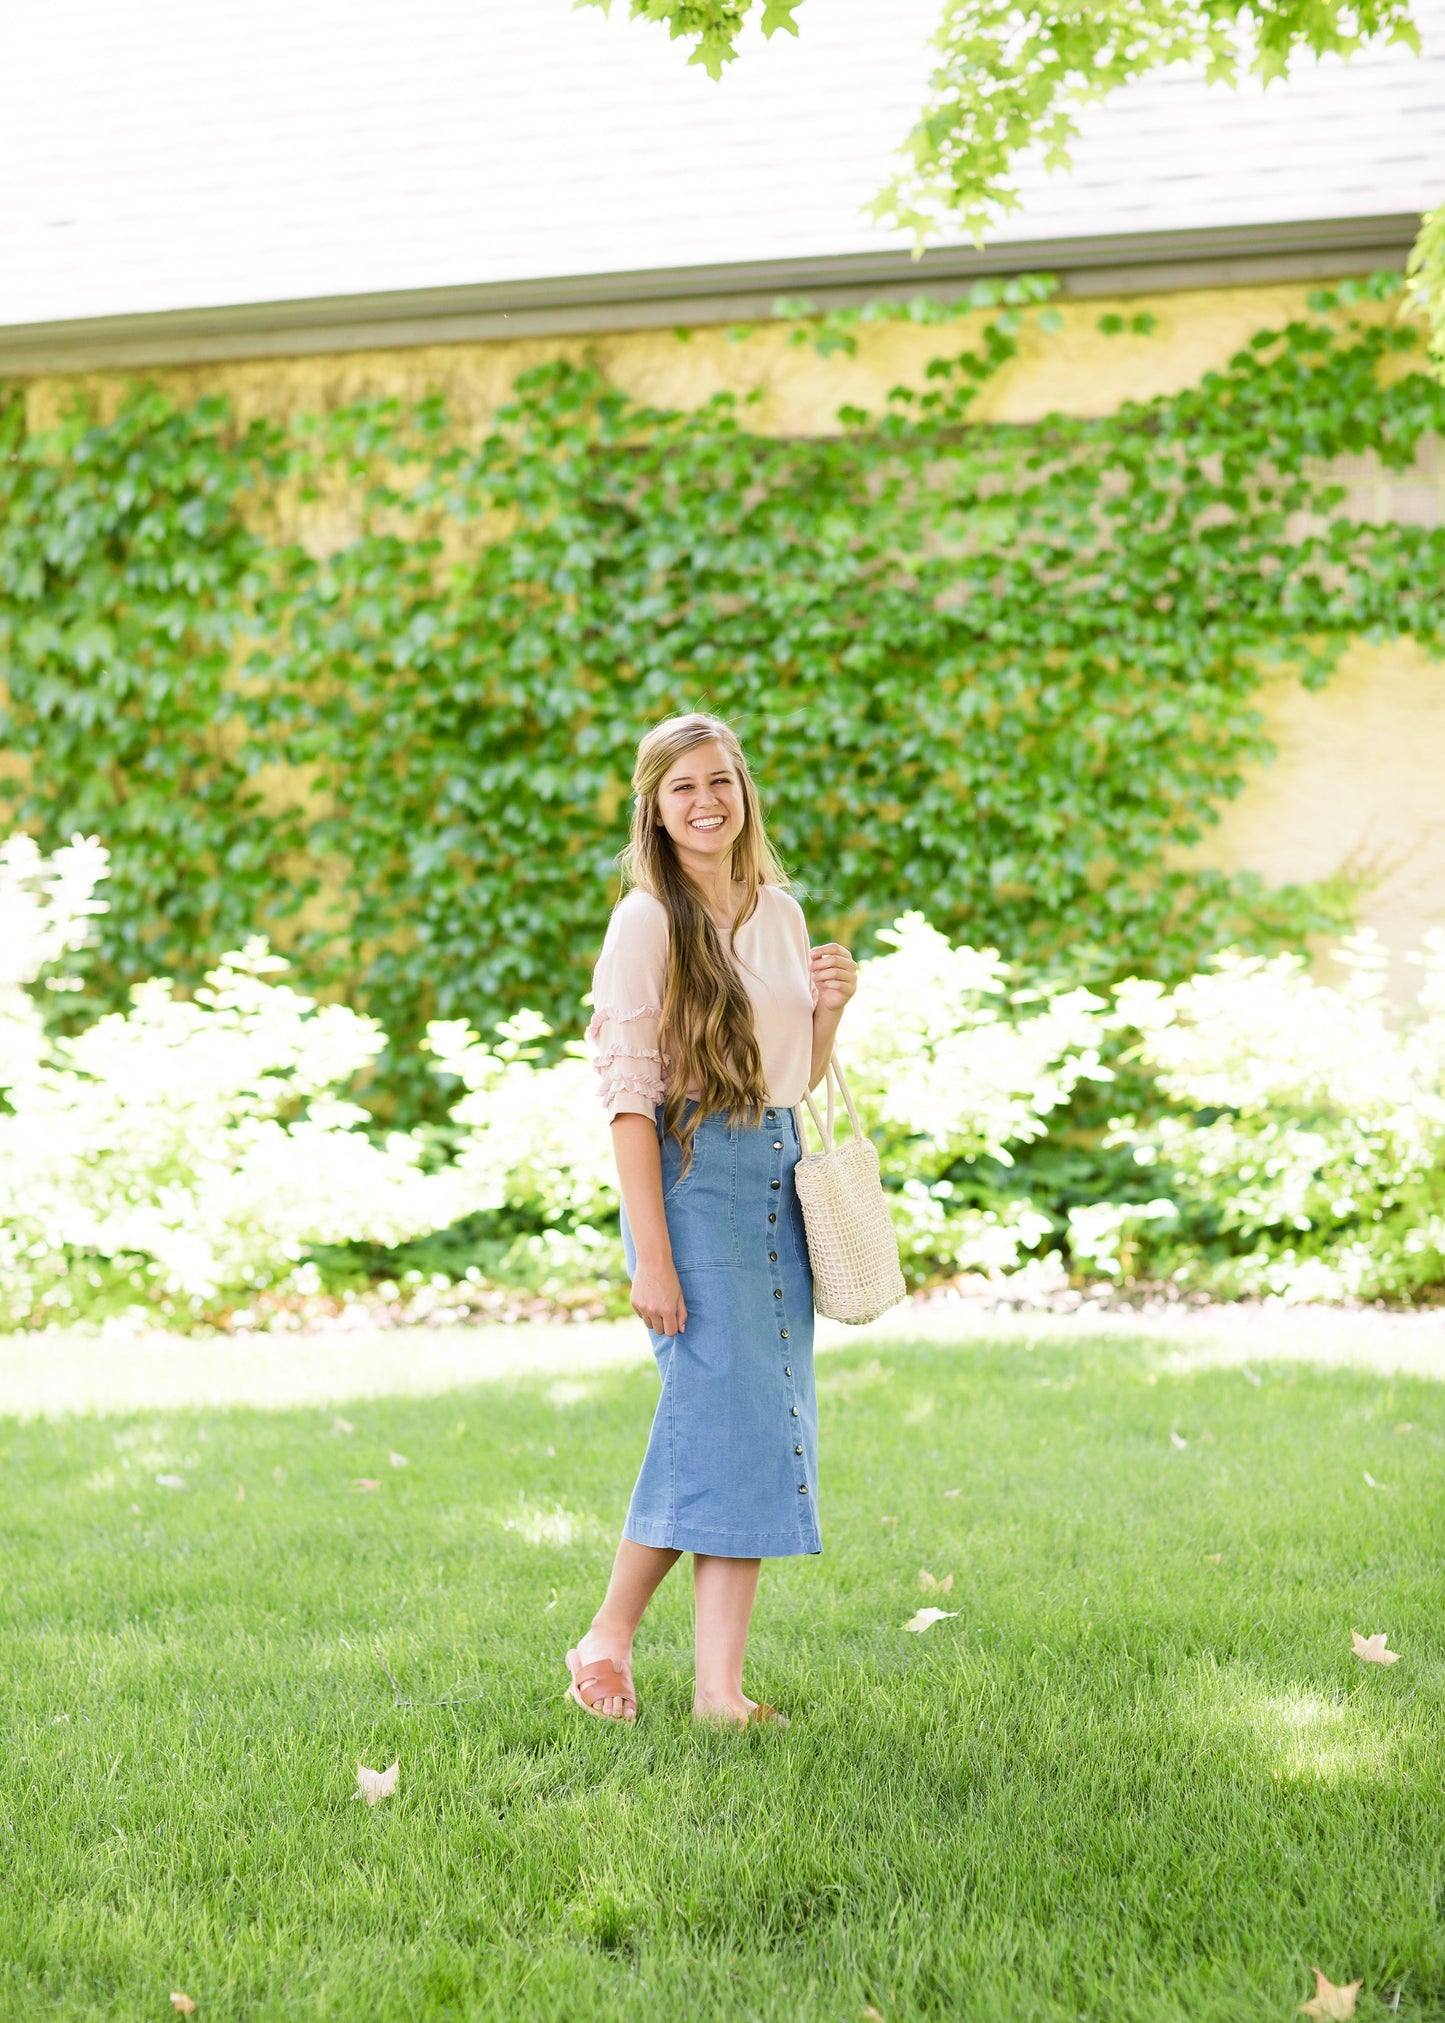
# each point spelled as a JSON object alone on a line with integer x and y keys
{"x": 709, "y": 822}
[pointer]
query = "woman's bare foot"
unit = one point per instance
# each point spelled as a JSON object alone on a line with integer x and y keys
{"x": 734, "y": 1710}
{"x": 731, "y": 1710}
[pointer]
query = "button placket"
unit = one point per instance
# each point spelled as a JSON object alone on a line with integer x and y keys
{"x": 780, "y": 1309}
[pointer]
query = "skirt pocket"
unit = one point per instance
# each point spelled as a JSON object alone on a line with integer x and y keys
{"x": 701, "y": 1209}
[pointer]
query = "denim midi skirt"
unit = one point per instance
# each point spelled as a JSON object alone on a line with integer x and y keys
{"x": 731, "y": 1465}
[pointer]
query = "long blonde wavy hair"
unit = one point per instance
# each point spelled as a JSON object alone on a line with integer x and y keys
{"x": 706, "y": 1034}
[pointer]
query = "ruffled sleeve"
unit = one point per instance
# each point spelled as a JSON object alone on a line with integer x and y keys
{"x": 628, "y": 983}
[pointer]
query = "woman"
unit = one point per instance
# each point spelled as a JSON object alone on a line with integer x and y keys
{"x": 712, "y": 1018}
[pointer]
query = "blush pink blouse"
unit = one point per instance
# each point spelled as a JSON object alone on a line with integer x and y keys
{"x": 770, "y": 952}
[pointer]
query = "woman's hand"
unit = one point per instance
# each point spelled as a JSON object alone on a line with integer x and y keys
{"x": 657, "y": 1298}
{"x": 835, "y": 973}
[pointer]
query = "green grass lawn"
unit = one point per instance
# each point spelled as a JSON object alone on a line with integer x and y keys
{"x": 1138, "y": 1775}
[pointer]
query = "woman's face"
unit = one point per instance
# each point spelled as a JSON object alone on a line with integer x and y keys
{"x": 700, "y": 804}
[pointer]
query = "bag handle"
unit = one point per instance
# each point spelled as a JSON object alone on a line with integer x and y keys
{"x": 834, "y": 1072}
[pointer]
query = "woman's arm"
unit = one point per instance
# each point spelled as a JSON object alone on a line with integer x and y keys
{"x": 835, "y": 978}
{"x": 825, "y": 1031}
{"x": 656, "y": 1288}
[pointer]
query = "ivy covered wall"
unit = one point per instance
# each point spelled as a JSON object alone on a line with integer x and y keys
{"x": 370, "y": 680}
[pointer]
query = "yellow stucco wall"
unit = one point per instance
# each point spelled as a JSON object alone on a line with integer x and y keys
{"x": 1358, "y": 788}
{"x": 1077, "y": 369}
{"x": 1359, "y": 783}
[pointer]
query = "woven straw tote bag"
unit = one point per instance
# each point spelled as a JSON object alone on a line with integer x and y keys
{"x": 851, "y": 1241}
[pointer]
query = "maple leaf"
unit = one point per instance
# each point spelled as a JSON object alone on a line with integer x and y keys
{"x": 1372, "y": 1650}
{"x": 181, "y": 2000}
{"x": 398, "y": 1461}
{"x": 927, "y": 1582}
{"x": 374, "y": 1784}
{"x": 1330, "y": 2000}
{"x": 365, "y": 1482}
{"x": 926, "y": 1618}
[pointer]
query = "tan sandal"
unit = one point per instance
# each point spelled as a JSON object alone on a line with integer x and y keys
{"x": 604, "y": 1680}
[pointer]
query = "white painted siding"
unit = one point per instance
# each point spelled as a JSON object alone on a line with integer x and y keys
{"x": 167, "y": 154}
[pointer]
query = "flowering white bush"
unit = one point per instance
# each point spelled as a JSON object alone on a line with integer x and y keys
{"x": 941, "y": 1063}
{"x": 1309, "y": 1124}
{"x": 948, "y": 1059}
{"x": 185, "y": 1150}
{"x": 537, "y": 1146}
{"x": 190, "y": 1154}
{"x": 535, "y": 1135}
{"x": 948, "y": 1064}
{"x": 46, "y": 904}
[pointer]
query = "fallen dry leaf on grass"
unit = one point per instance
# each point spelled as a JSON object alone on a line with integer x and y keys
{"x": 870, "y": 2014}
{"x": 1407, "y": 1426}
{"x": 926, "y": 1618}
{"x": 953, "y": 1492}
{"x": 1373, "y": 1484}
{"x": 398, "y": 1461}
{"x": 927, "y": 1582}
{"x": 171, "y": 1481}
{"x": 374, "y": 1784}
{"x": 365, "y": 1482}
{"x": 888, "y": 1520}
{"x": 340, "y": 1425}
{"x": 1372, "y": 1650}
{"x": 1330, "y": 2000}
{"x": 1214, "y": 1558}
{"x": 182, "y": 2001}
{"x": 1177, "y": 1439}
{"x": 240, "y": 1492}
